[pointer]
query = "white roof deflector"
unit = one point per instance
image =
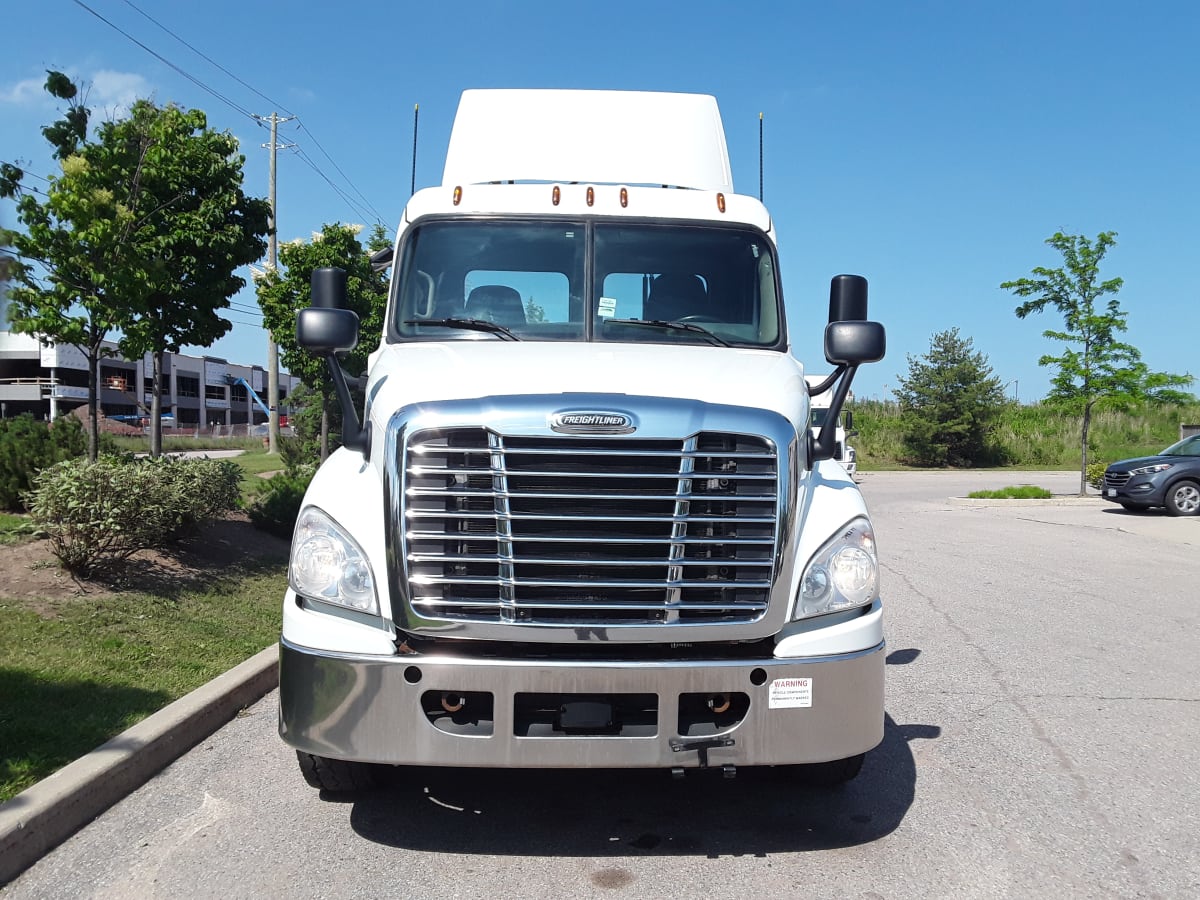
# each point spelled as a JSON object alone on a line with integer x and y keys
{"x": 597, "y": 137}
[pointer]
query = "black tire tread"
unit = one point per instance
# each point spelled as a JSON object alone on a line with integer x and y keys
{"x": 337, "y": 776}
{"x": 832, "y": 773}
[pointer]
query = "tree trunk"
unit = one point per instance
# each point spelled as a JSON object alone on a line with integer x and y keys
{"x": 1087, "y": 422}
{"x": 93, "y": 357}
{"x": 156, "y": 407}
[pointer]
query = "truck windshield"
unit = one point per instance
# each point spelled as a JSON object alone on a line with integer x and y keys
{"x": 586, "y": 280}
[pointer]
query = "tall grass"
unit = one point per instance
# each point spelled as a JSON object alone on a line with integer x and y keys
{"x": 1035, "y": 435}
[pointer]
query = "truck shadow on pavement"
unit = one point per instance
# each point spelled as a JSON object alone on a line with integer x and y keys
{"x": 621, "y": 812}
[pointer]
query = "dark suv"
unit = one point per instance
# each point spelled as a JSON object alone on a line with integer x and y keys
{"x": 1170, "y": 479}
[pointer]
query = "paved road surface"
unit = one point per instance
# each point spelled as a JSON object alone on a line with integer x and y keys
{"x": 1043, "y": 739}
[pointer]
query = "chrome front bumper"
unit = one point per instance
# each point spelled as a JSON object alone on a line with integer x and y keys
{"x": 386, "y": 710}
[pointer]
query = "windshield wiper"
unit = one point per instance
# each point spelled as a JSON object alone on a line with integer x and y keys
{"x": 470, "y": 324}
{"x": 678, "y": 326}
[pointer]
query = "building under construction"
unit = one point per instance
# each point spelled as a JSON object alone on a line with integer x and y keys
{"x": 199, "y": 392}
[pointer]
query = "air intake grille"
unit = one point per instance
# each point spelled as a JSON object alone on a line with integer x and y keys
{"x": 1116, "y": 479}
{"x": 589, "y": 531}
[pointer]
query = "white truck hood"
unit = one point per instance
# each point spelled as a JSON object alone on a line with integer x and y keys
{"x": 428, "y": 372}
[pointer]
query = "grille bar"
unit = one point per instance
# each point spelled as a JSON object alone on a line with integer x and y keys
{"x": 751, "y": 606}
{"x": 425, "y": 514}
{"x": 595, "y": 531}
{"x": 550, "y": 561}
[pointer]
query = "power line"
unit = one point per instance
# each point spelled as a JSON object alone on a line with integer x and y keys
{"x": 273, "y": 102}
{"x": 207, "y": 58}
{"x": 374, "y": 211}
{"x": 193, "y": 79}
{"x": 366, "y": 213}
{"x": 24, "y": 171}
{"x": 358, "y": 210}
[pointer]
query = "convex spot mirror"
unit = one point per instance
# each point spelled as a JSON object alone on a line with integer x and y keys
{"x": 324, "y": 331}
{"x": 854, "y": 343}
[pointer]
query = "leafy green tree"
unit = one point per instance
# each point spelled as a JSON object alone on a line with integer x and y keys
{"x": 195, "y": 227}
{"x": 948, "y": 402}
{"x": 1095, "y": 368}
{"x": 57, "y": 293}
{"x": 140, "y": 233}
{"x": 281, "y": 295}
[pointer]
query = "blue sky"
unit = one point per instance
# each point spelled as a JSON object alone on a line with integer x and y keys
{"x": 930, "y": 146}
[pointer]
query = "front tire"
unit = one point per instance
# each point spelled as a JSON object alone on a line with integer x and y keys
{"x": 830, "y": 774}
{"x": 337, "y": 776}
{"x": 1183, "y": 499}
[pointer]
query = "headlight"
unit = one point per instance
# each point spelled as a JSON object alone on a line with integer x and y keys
{"x": 842, "y": 574}
{"x": 1150, "y": 470}
{"x": 327, "y": 564}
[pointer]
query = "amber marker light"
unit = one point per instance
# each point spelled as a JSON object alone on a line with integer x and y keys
{"x": 591, "y": 196}
{"x": 458, "y": 195}
{"x": 720, "y": 202}
{"x": 624, "y": 197}
{"x": 556, "y": 195}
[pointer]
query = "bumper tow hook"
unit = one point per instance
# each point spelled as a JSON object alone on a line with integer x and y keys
{"x": 701, "y": 746}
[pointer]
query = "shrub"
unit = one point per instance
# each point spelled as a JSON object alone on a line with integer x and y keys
{"x": 276, "y": 507}
{"x": 95, "y": 514}
{"x": 27, "y": 446}
{"x": 1095, "y": 474}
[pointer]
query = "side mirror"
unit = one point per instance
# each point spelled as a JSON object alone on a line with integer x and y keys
{"x": 853, "y": 343}
{"x": 849, "y": 418}
{"x": 323, "y": 331}
{"x": 382, "y": 259}
{"x": 326, "y": 329}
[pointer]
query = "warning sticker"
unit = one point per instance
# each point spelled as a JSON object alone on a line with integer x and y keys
{"x": 608, "y": 307}
{"x": 791, "y": 693}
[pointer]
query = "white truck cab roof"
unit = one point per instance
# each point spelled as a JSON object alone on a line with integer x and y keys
{"x": 633, "y": 138}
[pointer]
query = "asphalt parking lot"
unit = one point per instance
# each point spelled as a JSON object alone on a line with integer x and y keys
{"x": 1042, "y": 739}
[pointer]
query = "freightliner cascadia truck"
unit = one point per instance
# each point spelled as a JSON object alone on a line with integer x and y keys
{"x": 580, "y": 517}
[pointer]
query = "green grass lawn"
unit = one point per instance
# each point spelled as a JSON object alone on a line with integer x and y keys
{"x": 1013, "y": 492}
{"x": 77, "y": 670}
{"x": 14, "y": 529}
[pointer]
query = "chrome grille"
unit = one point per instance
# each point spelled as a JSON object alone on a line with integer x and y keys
{"x": 578, "y": 531}
{"x": 1116, "y": 479}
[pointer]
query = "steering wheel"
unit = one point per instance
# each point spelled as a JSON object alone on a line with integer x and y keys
{"x": 694, "y": 319}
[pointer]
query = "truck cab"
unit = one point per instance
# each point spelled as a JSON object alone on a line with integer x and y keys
{"x": 843, "y": 425}
{"x": 582, "y": 520}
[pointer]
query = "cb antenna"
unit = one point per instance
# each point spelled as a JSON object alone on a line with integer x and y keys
{"x": 760, "y": 157}
{"x": 412, "y": 188}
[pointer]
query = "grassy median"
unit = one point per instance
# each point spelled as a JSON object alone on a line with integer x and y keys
{"x": 81, "y": 661}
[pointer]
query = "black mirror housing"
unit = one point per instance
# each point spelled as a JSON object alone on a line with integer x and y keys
{"x": 847, "y": 298}
{"x": 853, "y": 343}
{"x": 328, "y": 288}
{"x": 323, "y": 331}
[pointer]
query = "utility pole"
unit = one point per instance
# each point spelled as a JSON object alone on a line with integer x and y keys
{"x": 272, "y": 251}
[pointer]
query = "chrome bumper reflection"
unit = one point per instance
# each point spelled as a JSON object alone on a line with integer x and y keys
{"x": 398, "y": 710}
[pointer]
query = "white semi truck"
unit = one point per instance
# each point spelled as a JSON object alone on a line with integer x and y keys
{"x": 583, "y": 520}
{"x": 843, "y": 452}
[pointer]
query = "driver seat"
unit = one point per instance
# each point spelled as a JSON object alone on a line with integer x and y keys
{"x": 673, "y": 296}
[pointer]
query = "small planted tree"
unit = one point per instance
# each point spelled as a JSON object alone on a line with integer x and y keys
{"x": 195, "y": 228}
{"x": 281, "y": 295}
{"x": 948, "y": 402}
{"x": 1095, "y": 368}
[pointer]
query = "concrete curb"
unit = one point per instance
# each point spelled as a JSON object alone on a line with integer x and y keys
{"x": 38, "y": 819}
{"x": 1090, "y": 500}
